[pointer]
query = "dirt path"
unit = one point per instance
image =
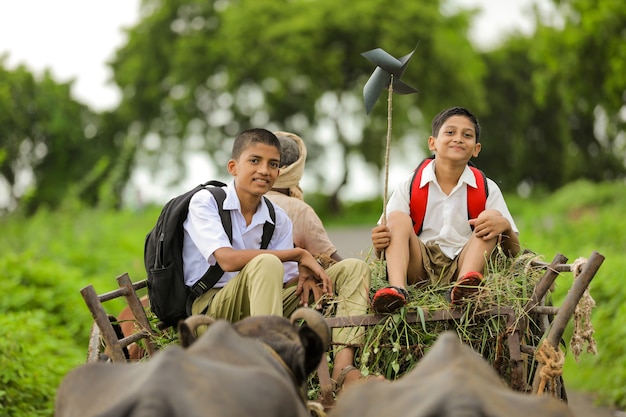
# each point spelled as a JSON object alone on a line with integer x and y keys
{"x": 355, "y": 242}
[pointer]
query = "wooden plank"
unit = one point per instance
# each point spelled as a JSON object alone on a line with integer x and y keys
{"x": 581, "y": 283}
{"x": 136, "y": 307}
{"x": 113, "y": 348}
{"x": 121, "y": 292}
{"x": 544, "y": 284}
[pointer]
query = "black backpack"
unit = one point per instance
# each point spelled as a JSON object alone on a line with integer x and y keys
{"x": 170, "y": 298}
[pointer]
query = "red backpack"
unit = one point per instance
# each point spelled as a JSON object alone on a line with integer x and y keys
{"x": 418, "y": 197}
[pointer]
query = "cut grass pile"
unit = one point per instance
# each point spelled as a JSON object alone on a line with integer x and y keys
{"x": 395, "y": 345}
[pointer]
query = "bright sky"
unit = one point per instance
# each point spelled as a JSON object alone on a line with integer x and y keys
{"x": 75, "y": 38}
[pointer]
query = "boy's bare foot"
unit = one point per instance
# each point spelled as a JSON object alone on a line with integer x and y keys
{"x": 351, "y": 375}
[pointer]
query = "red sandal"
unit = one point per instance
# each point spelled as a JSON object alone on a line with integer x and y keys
{"x": 465, "y": 287}
{"x": 389, "y": 299}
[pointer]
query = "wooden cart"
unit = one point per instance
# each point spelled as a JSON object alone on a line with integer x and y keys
{"x": 550, "y": 321}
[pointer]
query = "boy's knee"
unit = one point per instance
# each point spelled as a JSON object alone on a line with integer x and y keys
{"x": 398, "y": 217}
{"x": 266, "y": 259}
{"x": 356, "y": 269}
{"x": 267, "y": 265}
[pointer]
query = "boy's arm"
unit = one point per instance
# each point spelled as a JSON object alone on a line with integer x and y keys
{"x": 231, "y": 260}
{"x": 235, "y": 259}
{"x": 491, "y": 224}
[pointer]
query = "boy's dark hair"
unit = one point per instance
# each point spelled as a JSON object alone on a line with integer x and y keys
{"x": 251, "y": 136}
{"x": 444, "y": 115}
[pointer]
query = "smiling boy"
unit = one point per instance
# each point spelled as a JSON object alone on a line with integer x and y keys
{"x": 253, "y": 278}
{"x": 265, "y": 281}
{"x": 448, "y": 248}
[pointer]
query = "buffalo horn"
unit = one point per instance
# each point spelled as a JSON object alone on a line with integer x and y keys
{"x": 315, "y": 321}
{"x": 187, "y": 329}
{"x": 197, "y": 320}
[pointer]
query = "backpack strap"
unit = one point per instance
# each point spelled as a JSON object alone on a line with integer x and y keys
{"x": 215, "y": 272}
{"x": 268, "y": 227}
{"x": 418, "y": 197}
{"x": 477, "y": 197}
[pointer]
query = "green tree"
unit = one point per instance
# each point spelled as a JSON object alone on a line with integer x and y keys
{"x": 585, "y": 63}
{"x": 195, "y": 72}
{"x": 524, "y": 143}
{"x": 556, "y": 102}
{"x": 51, "y": 145}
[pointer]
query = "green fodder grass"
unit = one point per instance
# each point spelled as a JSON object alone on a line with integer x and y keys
{"x": 395, "y": 345}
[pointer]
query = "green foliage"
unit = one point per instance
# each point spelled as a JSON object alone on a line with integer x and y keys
{"x": 49, "y": 257}
{"x": 46, "y": 133}
{"x": 194, "y": 72}
{"x": 34, "y": 357}
{"x": 53, "y": 256}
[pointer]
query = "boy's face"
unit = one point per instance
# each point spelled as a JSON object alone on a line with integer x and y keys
{"x": 256, "y": 169}
{"x": 456, "y": 140}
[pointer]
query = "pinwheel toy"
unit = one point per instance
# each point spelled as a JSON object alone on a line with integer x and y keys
{"x": 387, "y": 74}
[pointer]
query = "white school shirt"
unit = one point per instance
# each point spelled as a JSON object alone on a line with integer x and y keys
{"x": 204, "y": 234}
{"x": 445, "y": 221}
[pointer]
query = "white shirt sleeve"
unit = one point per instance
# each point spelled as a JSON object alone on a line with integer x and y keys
{"x": 204, "y": 234}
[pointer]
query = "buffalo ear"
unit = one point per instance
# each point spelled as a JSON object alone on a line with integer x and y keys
{"x": 313, "y": 348}
{"x": 185, "y": 334}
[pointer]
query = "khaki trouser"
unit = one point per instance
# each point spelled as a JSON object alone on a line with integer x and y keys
{"x": 258, "y": 290}
{"x": 441, "y": 269}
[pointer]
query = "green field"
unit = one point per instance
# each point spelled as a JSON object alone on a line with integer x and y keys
{"x": 46, "y": 259}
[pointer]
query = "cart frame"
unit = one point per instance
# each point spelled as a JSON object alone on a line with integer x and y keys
{"x": 105, "y": 343}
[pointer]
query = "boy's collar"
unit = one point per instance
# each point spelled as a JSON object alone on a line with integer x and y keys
{"x": 428, "y": 175}
{"x": 232, "y": 203}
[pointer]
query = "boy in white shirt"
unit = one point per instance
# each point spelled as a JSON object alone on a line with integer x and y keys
{"x": 447, "y": 248}
{"x": 261, "y": 281}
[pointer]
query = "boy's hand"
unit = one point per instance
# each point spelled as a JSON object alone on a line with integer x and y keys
{"x": 310, "y": 285}
{"x": 490, "y": 224}
{"x": 381, "y": 236}
{"x": 310, "y": 268}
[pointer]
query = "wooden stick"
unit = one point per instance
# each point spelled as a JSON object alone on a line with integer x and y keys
{"x": 134, "y": 303}
{"x": 569, "y": 305}
{"x": 387, "y": 149}
{"x": 113, "y": 348}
